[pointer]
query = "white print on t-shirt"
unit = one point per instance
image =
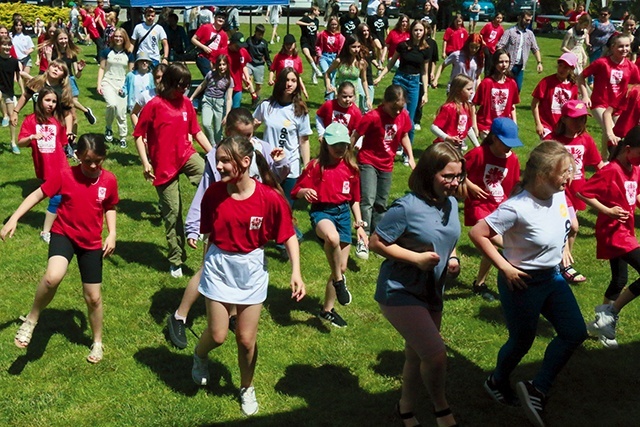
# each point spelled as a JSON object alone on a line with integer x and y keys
{"x": 632, "y": 192}
{"x": 577, "y": 151}
{"x": 499, "y": 100}
{"x": 346, "y": 187}
{"x": 215, "y": 43}
{"x": 288, "y": 63}
{"x": 255, "y": 223}
{"x": 559, "y": 98}
{"x": 331, "y": 40}
{"x": 615, "y": 79}
{"x": 342, "y": 118}
{"x": 462, "y": 124}
{"x": 46, "y": 144}
{"x": 493, "y": 177}
{"x": 390, "y": 132}
{"x": 102, "y": 193}
{"x": 184, "y": 116}
{"x": 493, "y": 35}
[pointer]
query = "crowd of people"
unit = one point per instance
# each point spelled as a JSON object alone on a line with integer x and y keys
{"x": 525, "y": 224}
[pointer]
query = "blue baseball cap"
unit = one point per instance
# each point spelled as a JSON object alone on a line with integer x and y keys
{"x": 506, "y": 130}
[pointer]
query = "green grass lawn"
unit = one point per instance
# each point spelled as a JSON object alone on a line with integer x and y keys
{"x": 308, "y": 373}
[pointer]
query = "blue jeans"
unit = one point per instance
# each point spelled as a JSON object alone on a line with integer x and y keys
{"x": 411, "y": 85}
{"x": 550, "y": 295}
{"x": 325, "y": 61}
{"x": 203, "y": 64}
{"x": 518, "y": 75}
{"x": 236, "y": 99}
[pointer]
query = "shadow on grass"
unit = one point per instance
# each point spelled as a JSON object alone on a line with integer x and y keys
{"x": 280, "y": 307}
{"x": 167, "y": 300}
{"x": 175, "y": 371}
{"x": 70, "y": 323}
{"x": 142, "y": 253}
{"x": 26, "y": 185}
{"x": 125, "y": 159}
{"x": 140, "y": 211}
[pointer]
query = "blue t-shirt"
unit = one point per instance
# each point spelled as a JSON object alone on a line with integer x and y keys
{"x": 418, "y": 225}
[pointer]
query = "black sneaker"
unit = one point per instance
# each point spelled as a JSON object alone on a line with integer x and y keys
{"x": 233, "y": 321}
{"x": 533, "y": 402}
{"x": 483, "y": 290}
{"x": 90, "y": 117}
{"x": 123, "y": 143}
{"x": 108, "y": 135}
{"x": 177, "y": 331}
{"x": 334, "y": 318}
{"x": 342, "y": 292}
{"x": 502, "y": 394}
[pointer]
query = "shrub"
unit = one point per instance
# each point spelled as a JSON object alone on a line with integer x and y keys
{"x": 30, "y": 13}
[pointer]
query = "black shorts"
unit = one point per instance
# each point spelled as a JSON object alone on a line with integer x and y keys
{"x": 309, "y": 44}
{"x": 89, "y": 260}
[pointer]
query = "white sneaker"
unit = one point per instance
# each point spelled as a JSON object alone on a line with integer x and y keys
{"x": 417, "y": 126}
{"x": 606, "y": 320}
{"x": 607, "y": 343}
{"x": 45, "y": 236}
{"x": 176, "y": 272}
{"x": 399, "y": 151}
{"x": 200, "y": 370}
{"x": 362, "y": 251}
{"x": 405, "y": 160}
{"x": 248, "y": 401}
{"x": 314, "y": 79}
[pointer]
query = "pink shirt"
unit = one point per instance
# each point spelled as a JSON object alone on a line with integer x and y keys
{"x": 328, "y": 42}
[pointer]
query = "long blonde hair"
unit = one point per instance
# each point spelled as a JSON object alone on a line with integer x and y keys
{"x": 37, "y": 83}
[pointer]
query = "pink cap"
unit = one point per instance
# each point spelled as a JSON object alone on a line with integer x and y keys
{"x": 574, "y": 108}
{"x": 569, "y": 58}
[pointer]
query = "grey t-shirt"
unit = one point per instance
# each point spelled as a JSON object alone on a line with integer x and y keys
{"x": 417, "y": 225}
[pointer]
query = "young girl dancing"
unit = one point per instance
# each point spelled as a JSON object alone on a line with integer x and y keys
{"x": 287, "y": 57}
{"x": 497, "y": 94}
{"x": 613, "y": 193}
{"x": 216, "y": 102}
{"x": 534, "y": 223}
{"x": 552, "y": 92}
{"x": 341, "y": 110}
{"x": 468, "y": 61}
{"x": 240, "y": 215}
{"x": 494, "y": 170}
{"x": 349, "y": 66}
{"x": 45, "y": 135}
{"x": 9, "y": 73}
{"x": 571, "y": 131}
{"x": 331, "y": 183}
{"x": 455, "y": 117}
{"x": 89, "y": 195}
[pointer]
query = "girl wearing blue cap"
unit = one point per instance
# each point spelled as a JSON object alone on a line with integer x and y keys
{"x": 534, "y": 224}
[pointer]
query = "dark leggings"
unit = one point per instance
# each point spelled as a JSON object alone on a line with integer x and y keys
{"x": 619, "y": 274}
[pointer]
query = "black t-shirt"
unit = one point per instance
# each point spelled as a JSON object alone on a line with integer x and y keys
{"x": 412, "y": 58}
{"x": 433, "y": 59}
{"x": 377, "y": 26}
{"x": 308, "y": 33}
{"x": 348, "y": 25}
{"x": 8, "y": 68}
{"x": 67, "y": 60}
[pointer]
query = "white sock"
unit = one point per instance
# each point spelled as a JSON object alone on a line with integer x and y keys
{"x": 181, "y": 318}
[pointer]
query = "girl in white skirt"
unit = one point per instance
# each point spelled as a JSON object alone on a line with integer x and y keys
{"x": 240, "y": 215}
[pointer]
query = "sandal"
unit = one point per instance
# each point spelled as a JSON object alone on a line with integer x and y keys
{"x": 406, "y": 415}
{"x": 96, "y": 353}
{"x": 444, "y": 413}
{"x": 25, "y": 331}
{"x": 571, "y": 275}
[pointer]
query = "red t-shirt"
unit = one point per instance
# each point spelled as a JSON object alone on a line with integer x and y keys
{"x": 48, "y": 153}
{"x": 630, "y": 113}
{"x": 495, "y": 175}
{"x": 613, "y": 185}
{"x": 237, "y": 61}
{"x": 241, "y": 226}
{"x": 84, "y": 202}
{"x": 89, "y": 24}
{"x": 335, "y": 184}
{"x": 454, "y": 120}
{"x": 585, "y": 153}
{"x": 280, "y": 61}
{"x": 331, "y": 111}
{"x": 455, "y": 39}
{"x": 491, "y": 35}
{"x": 553, "y": 94}
{"x": 394, "y": 38}
{"x": 100, "y": 16}
{"x": 215, "y": 40}
{"x": 610, "y": 81}
{"x": 167, "y": 125}
{"x": 328, "y": 42}
{"x": 382, "y": 136}
{"x": 495, "y": 100}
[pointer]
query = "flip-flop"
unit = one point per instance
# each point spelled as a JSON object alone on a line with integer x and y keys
{"x": 25, "y": 332}
{"x": 96, "y": 353}
{"x": 572, "y": 275}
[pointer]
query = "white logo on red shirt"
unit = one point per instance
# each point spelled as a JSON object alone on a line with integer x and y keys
{"x": 615, "y": 79}
{"x": 559, "y": 98}
{"x": 346, "y": 187}
{"x": 184, "y": 116}
{"x": 493, "y": 177}
{"x": 499, "y": 99}
{"x": 102, "y": 193}
{"x": 632, "y": 192}
{"x": 493, "y": 35}
{"x": 462, "y": 124}
{"x": 342, "y": 118}
{"x": 577, "y": 151}
{"x": 331, "y": 40}
{"x": 288, "y": 63}
{"x": 255, "y": 223}
{"x": 390, "y": 132}
{"x": 47, "y": 144}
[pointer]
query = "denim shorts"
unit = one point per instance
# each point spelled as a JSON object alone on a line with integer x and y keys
{"x": 339, "y": 215}
{"x": 75, "y": 91}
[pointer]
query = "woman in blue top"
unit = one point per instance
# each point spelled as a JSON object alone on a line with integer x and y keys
{"x": 418, "y": 236}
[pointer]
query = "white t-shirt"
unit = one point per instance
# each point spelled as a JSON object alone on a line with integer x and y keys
{"x": 283, "y": 129}
{"x": 534, "y": 231}
{"x": 151, "y": 43}
{"x": 21, "y": 44}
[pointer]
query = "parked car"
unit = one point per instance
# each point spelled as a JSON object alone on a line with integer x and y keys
{"x": 393, "y": 9}
{"x": 516, "y": 7}
{"x": 251, "y": 10}
{"x": 487, "y": 10}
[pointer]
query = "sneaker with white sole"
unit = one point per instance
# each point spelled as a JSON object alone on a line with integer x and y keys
{"x": 90, "y": 117}
{"x": 533, "y": 402}
{"x": 362, "y": 251}
{"x": 333, "y": 317}
{"x": 45, "y": 236}
{"x": 502, "y": 394}
{"x": 200, "y": 370}
{"x": 607, "y": 343}
{"x": 405, "y": 160}
{"x": 5, "y": 122}
{"x": 176, "y": 271}
{"x": 417, "y": 127}
{"x": 15, "y": 149}
{"x": 108, "y": 135}
{"x": 342, "y": 292}
{"x": 606, "y": 321}
{"x": 314, "y": 79}
{"x": 248, "y": 401}
{"x": 177, "y": 331}
{"x": 123, "y": 143}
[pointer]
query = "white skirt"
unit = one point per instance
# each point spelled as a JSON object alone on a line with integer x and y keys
{"x": 234, "y": 278}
